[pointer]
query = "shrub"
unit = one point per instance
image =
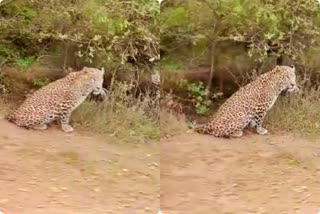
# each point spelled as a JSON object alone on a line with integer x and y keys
{"x": 172, "y": 124}
{"x": 122, "y": 115}
{"x": 296, "y": 113}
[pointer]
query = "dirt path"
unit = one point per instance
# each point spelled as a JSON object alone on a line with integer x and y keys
{"x": 57, "y": 173}
{"x": 271, "y": 174}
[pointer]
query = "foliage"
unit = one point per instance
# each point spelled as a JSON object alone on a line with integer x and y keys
{"x": 269, "y": 27}
{"x": 25, "y": 62}
{"x": 170, "y": 65}
{"x": 199, "y": 93}
{"x": 121, "y": 36}
{"x": 122, "y": 116}
{"x": 249, "y": 37}
{"x": 41, "y": 82}
{"x": 172, "y": 124}
{"x": 296, "y": 113}
{"x": 97, "y": 32}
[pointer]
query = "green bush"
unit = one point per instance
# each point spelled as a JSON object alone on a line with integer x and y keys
{"x": 94, "y": 32}
{"x": 38, "y": 37}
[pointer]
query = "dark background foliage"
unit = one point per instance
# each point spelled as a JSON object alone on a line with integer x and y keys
{"x": 119, "y": 35}
{"x": 220, "y": 45}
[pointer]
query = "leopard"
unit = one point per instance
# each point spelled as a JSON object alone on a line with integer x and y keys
{"x": 248, "y": 106}
{"x": 57, "y": 100}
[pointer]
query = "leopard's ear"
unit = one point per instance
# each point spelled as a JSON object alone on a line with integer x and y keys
{"x": 292, "y": 66}
{"x": 102, "y": 69}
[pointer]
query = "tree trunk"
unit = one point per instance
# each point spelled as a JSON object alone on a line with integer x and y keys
{"x": 280, "y": 60}
{"x": 212, "y": 67}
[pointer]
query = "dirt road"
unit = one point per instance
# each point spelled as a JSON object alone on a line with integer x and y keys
{"x": 270, "y": 174}
{"x": 56, "y": 173}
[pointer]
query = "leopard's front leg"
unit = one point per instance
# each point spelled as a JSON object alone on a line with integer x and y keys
{"x": 256, "y": 122}
{"x": 65, "y": 120}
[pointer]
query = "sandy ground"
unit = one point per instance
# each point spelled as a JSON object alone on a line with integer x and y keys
{"x": 57, "y": 173}
{"x": 270, "y": 174}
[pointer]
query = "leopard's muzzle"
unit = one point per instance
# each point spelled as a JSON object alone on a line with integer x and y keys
{"x": 100, "y": 94}
{"x": 292, "y": 88}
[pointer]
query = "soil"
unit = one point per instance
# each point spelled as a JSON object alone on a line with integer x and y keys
{"x": 276, "y": 173}
{"x": 80, "y": 173}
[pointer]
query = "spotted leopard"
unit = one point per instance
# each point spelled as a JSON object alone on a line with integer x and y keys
{"x": 57, "y": 100}
{"x": 250, "y": 104}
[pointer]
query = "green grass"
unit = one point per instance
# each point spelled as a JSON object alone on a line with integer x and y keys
{"x": 25, "y": 62}
{"x": 169, "y": 65}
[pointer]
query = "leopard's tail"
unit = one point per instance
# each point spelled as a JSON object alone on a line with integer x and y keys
{"x": 200, "y": 128}
{"x": 10, "y": 117}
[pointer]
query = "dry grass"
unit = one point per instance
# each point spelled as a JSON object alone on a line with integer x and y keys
{"x": 123, "y": 116}
{"x": 172, "y": 124}
{"x": 5, "y": 107}
{"x": 299, "y": 113}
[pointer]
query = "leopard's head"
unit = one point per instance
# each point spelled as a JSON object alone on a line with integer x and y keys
{"x": 96, "y": 79}
{"x": 288, "y": 79}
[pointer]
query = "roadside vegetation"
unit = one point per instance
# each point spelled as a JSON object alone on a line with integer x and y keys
{"x": 210, "y": 48}
{"x": 42, "y": 41}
